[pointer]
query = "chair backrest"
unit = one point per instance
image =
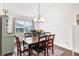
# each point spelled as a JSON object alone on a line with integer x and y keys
{"x": 28, "y": 35}
{"x": 41, "y": 41}
{"x": 51, "y": 36}
{"x": 18, "y": 43}
{"x": 50, "y": 39}
{"x": 42, "y": 37}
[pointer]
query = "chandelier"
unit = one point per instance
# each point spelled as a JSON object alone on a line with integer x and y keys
{"x": 39, "y": 19}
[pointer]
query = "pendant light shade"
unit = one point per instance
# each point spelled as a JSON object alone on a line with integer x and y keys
{"x": 36, "y": 19}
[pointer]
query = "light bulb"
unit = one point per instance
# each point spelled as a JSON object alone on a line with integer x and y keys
{"x": 39, "y": 19}
{"x": 35, "y": 19}
{"x": 42, "y": 19}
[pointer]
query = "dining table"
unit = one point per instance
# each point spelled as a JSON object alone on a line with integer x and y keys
{"x": 30, "y": 40}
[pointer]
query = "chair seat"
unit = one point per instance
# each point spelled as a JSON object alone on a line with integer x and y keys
{"x": 24, "y": 50}
{"x": 26, "y": 46}
{"x": 38, "y": 48}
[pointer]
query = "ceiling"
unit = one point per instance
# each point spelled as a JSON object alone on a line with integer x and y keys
{"x": 27, "y": 9}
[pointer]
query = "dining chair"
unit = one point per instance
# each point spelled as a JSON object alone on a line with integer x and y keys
{"x": 40, "y": 46}
{"x": 28, "y": 35}
{"x": 50, "y": 43}
{"x": 19, "y": 47}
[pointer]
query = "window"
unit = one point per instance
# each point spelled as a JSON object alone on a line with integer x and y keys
{"x": 22, "y": 26}
{"x": 28, "y": 26}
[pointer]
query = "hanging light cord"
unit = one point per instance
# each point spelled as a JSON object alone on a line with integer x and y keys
{"x": 38, "y": 11}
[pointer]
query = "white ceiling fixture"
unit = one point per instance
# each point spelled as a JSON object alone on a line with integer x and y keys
{"x": 39, "y": 18}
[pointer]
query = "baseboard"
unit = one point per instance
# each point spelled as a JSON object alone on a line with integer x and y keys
{"x": 7, "y": 54}
{"x": 67, "y": 49}
{"x": 76, "y": 53}
{"x": 63, "y": 48}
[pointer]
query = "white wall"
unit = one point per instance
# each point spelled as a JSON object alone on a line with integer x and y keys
{"x": 76, "y": 38}
{"x": 60, "y": 20}
{"x": 76, "y": 31}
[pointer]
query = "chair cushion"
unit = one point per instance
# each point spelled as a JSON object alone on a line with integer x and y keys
{"x": 38, "y": 48}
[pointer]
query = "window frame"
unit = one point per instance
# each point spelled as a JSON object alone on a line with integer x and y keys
{"x": 25, "y": 19}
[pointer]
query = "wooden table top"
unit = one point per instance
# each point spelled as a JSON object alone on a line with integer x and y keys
{"x": 32, "y": 40}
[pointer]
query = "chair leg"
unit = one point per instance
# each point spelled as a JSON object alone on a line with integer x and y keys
{"x": 38, "y": 53}
{"x": 20, "y": 53}
{"x": 17, "y": 53}
{"x": 47, "y": 52}
{"x": 23, "y": 45}
{"x": 31, "y": 52}
{"x": 52, "y": 50}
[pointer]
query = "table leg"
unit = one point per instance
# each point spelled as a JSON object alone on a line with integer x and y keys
{"x": 23, "y": 45}
{"x": 29, "y": 50}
